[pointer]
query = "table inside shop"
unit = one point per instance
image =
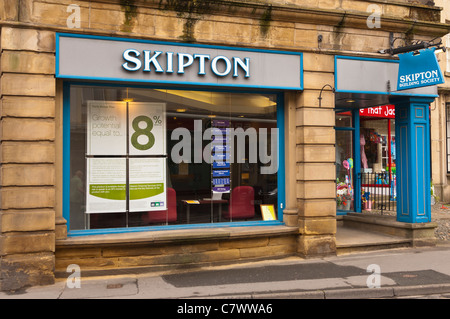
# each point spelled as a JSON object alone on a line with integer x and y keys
{"x": 205, "y": 201}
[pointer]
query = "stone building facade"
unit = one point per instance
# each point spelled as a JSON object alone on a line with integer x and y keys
{"x": 439, "y": 118}
{"x": 35, "y": 242}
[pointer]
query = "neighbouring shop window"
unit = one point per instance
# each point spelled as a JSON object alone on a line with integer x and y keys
{"x": 345, "y": 179}
{"x": 378, "y": 157}
{"x": 377, "y": 148}
{"x": 344, "y": 170}
{"x": 141, "y": 157}
{"x": 371, "y": 173}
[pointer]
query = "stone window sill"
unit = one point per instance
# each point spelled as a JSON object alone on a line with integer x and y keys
{"x": 177, "y": 236}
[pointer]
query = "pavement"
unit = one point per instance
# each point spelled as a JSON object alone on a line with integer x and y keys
{"x": 386, "y": 274}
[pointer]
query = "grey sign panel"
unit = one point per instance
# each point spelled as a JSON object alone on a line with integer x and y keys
{"x": 119, "y": 59}
{"x": 372, "y": 76}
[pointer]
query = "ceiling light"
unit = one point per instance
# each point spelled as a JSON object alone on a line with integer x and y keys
{"x": 181, "y": 110}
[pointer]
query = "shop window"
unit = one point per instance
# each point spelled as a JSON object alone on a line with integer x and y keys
{"x": 345, "y": 176}
{"x": 150, "y": 157}
{"x": 344, "y": 170}
{"x": 365, "y": 158}
{"x": 378, "y": 150}
{"x": 378, "y": 158}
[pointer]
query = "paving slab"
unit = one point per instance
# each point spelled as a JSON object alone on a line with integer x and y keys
{"x": 402, "y": 272}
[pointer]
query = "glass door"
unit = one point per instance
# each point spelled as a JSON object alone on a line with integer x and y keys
{"x": 345, "y": 162}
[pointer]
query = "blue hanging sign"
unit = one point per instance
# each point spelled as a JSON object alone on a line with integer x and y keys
{"x": 418, "y": 70}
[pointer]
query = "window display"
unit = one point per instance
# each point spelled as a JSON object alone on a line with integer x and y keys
{"x": 144, "y": 157}
{"x": 365, "y": 159}
{"x": 344, "y": 170}
{"x": 378, "y": 172}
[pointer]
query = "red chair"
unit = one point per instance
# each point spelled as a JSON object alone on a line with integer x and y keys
{"x": 241, "y": 203}
{"x": 162, "y": 216}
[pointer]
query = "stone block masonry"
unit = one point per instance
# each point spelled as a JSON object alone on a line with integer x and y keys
{"x": 176, "y": 249}
{"x": 27, "y": 155}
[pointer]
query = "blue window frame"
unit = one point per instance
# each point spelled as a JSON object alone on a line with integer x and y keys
{"x": 67, "y": 174}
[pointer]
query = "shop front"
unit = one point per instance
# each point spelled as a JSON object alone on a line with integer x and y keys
{"x": 173, "y": 154}
{"x": 162, "y": 137}
{"x": 165, "y": 135}
{"x": 382, "y": 141}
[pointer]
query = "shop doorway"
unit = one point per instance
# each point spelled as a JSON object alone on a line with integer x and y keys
{"x": 365, "y": 159}
{"x": 378, "y": 158}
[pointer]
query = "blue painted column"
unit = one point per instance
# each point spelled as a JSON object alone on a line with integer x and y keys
{"x": 412, "y": 140}
{"x": 356, "y": 161}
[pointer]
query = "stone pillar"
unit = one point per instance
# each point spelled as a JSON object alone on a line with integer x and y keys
{"x": 316, "y": 172}
{"x": 438, "y": 132}
{"x": 27, "y": 158}
{"x": 290, "y": 213}
{"x": 412, "y": 135}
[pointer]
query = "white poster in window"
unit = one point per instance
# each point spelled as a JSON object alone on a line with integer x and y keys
{"x": 106, "y": 128}
{"x": 106, "y": 185}
{"x": 147, "y": 184}
{"x": 147, "y": 128}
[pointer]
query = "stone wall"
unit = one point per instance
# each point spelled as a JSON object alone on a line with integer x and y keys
{"x": 27, "y": 155}
{"x": 174, "y": 250}
{"x": 316, "y": 171}
{"x": 31, "y": 219}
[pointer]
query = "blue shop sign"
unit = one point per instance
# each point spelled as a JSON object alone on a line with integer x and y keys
{"x": 418, "y": 70}
{"x": 89, "y": 57}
